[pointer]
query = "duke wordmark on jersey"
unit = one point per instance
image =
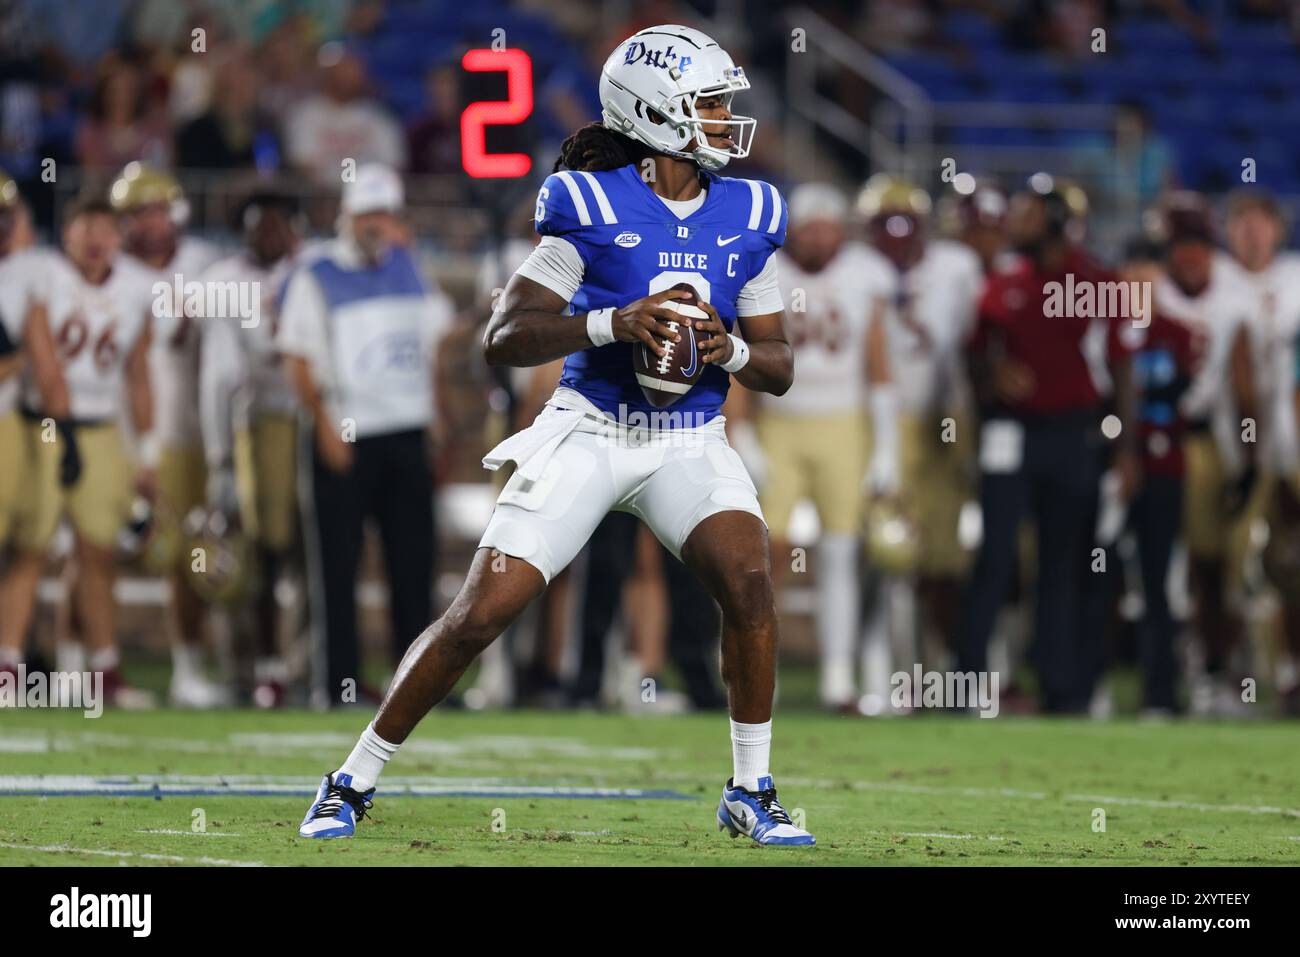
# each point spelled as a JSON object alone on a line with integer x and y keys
{"x": 632, "y": 246}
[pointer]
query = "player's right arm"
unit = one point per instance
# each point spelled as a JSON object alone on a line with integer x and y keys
{"x": 531, "y": 325}
{"x": 11, "y": 358}
{"x": 43, "y": 357}
{"x": 222, "y": 371}
{"x": 883, "y": 471}
{"x": 140, "y": 397}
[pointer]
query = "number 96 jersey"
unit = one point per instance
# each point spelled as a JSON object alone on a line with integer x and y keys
{"x": 94, "y": 330}
{"x": 627, "y": 243}
{"x": 827, "y": 316}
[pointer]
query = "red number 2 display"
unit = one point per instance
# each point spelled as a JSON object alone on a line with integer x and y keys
{"x": 517, "y": 107}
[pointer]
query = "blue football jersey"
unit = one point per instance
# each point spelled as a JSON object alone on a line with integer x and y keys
{"x": 632, "y": 246}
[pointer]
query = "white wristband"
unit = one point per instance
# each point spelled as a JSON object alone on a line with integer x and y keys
{"x": 600, "y": 326}
{"x": 149, "y": 448}
{"x": 739, "y": 355}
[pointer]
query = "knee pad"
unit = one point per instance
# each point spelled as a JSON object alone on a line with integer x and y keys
{"x": 511, "y": 533}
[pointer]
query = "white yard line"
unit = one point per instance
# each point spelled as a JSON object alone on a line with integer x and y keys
{"x": 935, "y": 834}
{"x": 169, "y": 858}
{"x": 1183, "y": 805}
{"x": 181, "y": 785}
{"x": 328, "y": 744}
{"x": 178, "y": 833}
{"x": 939, "y": 790}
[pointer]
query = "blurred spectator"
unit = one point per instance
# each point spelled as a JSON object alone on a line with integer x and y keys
{"x": 162, "y": 24}
{"x": 342, "y": 123}
{"x": 192, "y": 65}
{"x": 1145, "y": 160}
{"x": 892, "y": 25}
{"x": 287, "y": 74}
{"x": 81, "y": 31}
{"x": 1072, "y": 26}
{"x": 433, "y": 141}
{"x": 1065, "y": 28}
{"x": 123, "y": 124}
{"x": 21, "y": 80}
{"x": 229, "y": 133}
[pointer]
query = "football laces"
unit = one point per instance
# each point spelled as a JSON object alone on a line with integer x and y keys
{"x": 666, "y": 360}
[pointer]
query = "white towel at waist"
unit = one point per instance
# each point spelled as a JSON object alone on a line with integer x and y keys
{"x": 531, "y": 448}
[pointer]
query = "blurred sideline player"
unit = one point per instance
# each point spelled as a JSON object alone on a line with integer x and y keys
{"x": 25, "y": 344}
{"x": 20, "y": 340}
{"x": 153, "y": 212}
{"x": 1041, "y": 406}
{"x": 978, "y": 219}
{"x": 598, "y": 287}
{"x": 1163, "y": 367}
{"x": 1206, "y": 292}
{"x": 918, "y": 477}
{"x": 99, "y": 311}
{"x": 1255, "y": 233}
{"x": 249, "y": 417}
{"x": 813, "y": 438}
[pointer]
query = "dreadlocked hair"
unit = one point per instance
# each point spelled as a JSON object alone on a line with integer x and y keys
{"x": 596, "y": 148}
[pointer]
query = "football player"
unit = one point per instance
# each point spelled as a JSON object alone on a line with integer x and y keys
{"x": 1206, "y": 292}
{"x": 636, "y": 206}
{"x": 1162, "y": 372}
{"x": 25, "y": 344}
{"x": 99, "y": 312}
{"x": 1255, "y": 231}
{"x": 249, "y": 417}
{"x": 13, "y": 320}
{"x": 918, "y": 471}
{"x": 978, "y": 219}
{"x": 814, "y": 438}
{"x": 154, "y": 211}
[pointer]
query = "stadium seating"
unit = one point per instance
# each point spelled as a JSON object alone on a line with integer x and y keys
{"x": 1216, "y": 106}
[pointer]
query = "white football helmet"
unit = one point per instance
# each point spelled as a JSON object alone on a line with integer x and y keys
{"x": 663, "y": 69}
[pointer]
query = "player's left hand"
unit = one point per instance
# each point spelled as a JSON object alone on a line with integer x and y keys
{"x": 1129, "y": 468}
{"x": 718, "y": 347}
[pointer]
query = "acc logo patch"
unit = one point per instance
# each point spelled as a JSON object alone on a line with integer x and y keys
{"x": 627, "y": 240}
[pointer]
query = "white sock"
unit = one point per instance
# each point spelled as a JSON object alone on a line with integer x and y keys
{"x": 187, "y": 662}
{"x": 905, "y": 641}
{"x": 837, "y": 609}
{"x": 367, "y": 759}
{"x": 105, "y": 659}
{"x": 70, "y": 656}
{"x": 751, "y": 748}
{"x": 270, "y": 669}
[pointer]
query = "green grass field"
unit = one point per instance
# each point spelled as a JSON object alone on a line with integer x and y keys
{"x": 927, "y": 790}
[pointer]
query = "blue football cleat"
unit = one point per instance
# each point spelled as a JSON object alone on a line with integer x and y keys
{"x": 337, "y": 808}
{"x": 758, "y": 814}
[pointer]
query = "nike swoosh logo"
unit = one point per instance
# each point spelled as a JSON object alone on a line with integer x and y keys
{"x": 690, "y": 370}
{"x": 727, "y": 242}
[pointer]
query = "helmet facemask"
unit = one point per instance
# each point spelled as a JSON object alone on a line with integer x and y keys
{"x": 739, "y": 128}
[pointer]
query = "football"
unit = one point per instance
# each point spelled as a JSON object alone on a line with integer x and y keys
{"x": 665, "y": 379}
